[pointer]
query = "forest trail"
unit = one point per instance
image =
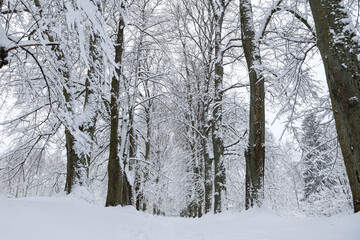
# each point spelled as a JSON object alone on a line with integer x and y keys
{"x": 70, "y": 218}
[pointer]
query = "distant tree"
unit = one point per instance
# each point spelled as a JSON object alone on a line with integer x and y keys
{"x": 316, "y": 161}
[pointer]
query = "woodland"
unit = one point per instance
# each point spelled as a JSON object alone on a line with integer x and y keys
{"x": 173, "y": 106}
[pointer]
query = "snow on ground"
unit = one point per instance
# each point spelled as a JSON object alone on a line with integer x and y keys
{"x": 70, "y": 218}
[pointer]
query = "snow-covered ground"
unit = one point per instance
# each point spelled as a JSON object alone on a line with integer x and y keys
{"x": 70, "y": 218}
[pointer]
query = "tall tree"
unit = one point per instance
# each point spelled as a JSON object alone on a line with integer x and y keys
{"x": 194, "y": 28}
{"x": 340, "y": 49}
{"x": 255, "y": 153}
{"x": 115, "y": 172}
{"x": 218, "y": 11}
{"x": 93, "y": 83}
{"x": 77, "y": 167}
{"x": 79, "y": 131}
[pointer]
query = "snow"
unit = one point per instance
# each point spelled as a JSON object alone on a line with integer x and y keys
{"x": 353, "y": 99}
{"x": 4, "y": 41}
{"x": 71, "y": 217}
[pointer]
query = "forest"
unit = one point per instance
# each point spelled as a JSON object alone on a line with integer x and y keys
{"x": 183, "y": 107}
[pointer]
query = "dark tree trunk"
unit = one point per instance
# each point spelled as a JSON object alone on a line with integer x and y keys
{"x": 115, "y": 173}
{"x": 208, "y": 181}
{"x": 207, "y": 161}
{"x": 255, "y": 153}
{"x": 127, "y": 191}
{"x": 207, "y": 172}
{"x": 72, "y": 175}
{"x": 77, "y": 168}
{"x": 339, "y": 51}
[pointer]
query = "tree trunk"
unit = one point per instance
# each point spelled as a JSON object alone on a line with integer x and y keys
{"x": 208, "y": 182}
{"x": 77, "y": 169}
{"x": 115, "y": 173}
{"x": 255, "y": 153}
{"x": 217, "y": 138}
{"x": 138, "y": 194}
{"x": 208, "y": 162}
{"x": 127, "y": 190}
{"x": 93, "y": 81}
{"x": 140, "y": 199}
{"x": 340, "y": 51}
{"x": 72, "y": 175}
{"x": 127, "y": 148}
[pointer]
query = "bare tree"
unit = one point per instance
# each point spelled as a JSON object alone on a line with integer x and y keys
{"x": 255, "y": 153}
{"x": 336, "y": 40}
{"x": 116, "y": 174}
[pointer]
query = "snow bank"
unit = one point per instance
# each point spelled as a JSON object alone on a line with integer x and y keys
{"x": 73, "y": 218}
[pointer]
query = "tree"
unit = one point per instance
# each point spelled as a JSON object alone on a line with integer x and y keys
{"x": 161, "y": 122}
{"x": 218, "y": 11}
{"x": 325, "y": 184}
{"x": 56, "y": 73}
{"x": 93, "y": 82}
{"x": 76, "y": 170}
{"x": 255, "y": 153}
{"x": 194, "y": 31}
{"x": 315, "y": 157}
{"x": 116, "y": 174}
{"x": 339, "y": 49}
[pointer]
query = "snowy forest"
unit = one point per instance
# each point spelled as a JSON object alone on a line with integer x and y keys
{"x": 183, "y": 107}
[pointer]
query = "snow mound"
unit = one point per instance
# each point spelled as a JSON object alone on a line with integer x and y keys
{"x": 81, "y": 193}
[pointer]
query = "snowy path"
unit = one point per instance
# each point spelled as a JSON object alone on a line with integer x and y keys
{"x": 65, "y": 218}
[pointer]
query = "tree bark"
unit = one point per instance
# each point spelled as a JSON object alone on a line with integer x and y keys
{"x": 217, "y": 131}
{"x": 255, "y": 153}
{"x": 72, "y": 175}
{"x": 77, "y": 167}
{"x": 205, "y": 128}
{"x": 340, "y": 51}
{"x": 208, "y": 182}
{"x": 115, "y": 173}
